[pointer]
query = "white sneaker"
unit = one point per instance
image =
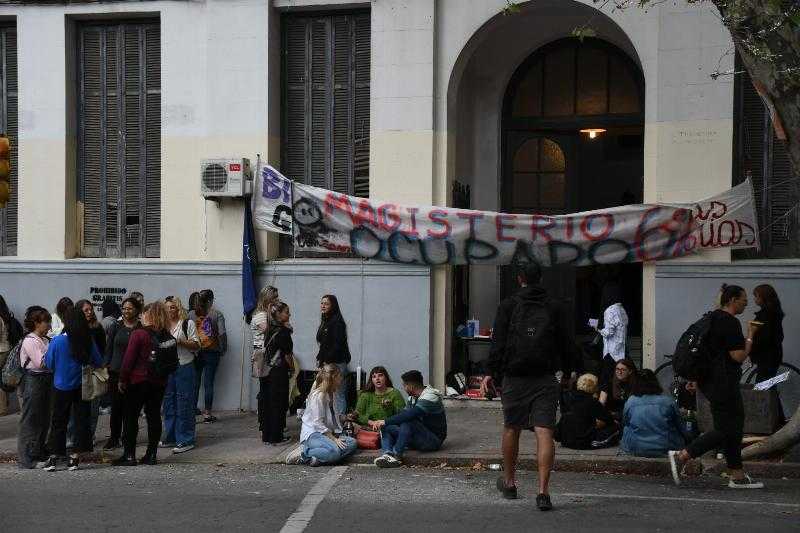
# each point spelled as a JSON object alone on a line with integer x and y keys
{"x": 180, "y": 448}
{"x": 387, "y": 461}
{"x": 675, "y": 465}
{"x": 162, "y": 444}
{"x": 745, "y": 483}
{"x": 295, "y": 455}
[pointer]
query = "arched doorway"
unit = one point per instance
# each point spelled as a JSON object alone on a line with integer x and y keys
{"x": 573, "y": 140}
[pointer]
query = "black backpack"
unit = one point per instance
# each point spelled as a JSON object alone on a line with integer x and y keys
{"x": 164, "y": 356}
{"x": 15, "y": 331}
{"x": 693, "y": 355}
{"x": 531, "y": 339}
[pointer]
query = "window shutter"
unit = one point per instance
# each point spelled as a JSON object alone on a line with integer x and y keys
{"x": 343, "y": 84}
{"x": 120, "y": 143}
{"x": 753, "y": 123}
{"x": 10, "y": 122}
{"x": 782, "y": 200}
{"x": 320, "y": 118}
{"x": 295, "y": 112}
{"x": 361, "y": 106}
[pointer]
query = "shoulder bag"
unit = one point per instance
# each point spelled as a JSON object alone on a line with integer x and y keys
{"x": 262, "y": 366}
{"x": 94, "y": 382}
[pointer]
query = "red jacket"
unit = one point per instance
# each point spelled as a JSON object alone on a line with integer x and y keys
{"x": 136, "y": 363}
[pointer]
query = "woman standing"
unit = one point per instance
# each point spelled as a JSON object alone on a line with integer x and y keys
{"x": 613, "y": 328}
{"x": 141, "y": 386}
{"x": 111, "y": 314}
{"x": 379, "y": 400}
{"x": 99, "y": 337}
{"x": 117, "y": 345}
{"x": 66, "y": 355}
{"x": 259, "y": 325}
{"x": 57, "y": 326}
{"x": 333, "y": 347}
{"x": 5, "y": 347}
{"x": 179, "y": 420}
{"x": 767, "y": 351}
{"x": 273, "y": 395}
{"x": 37, "y": 390}
{"x": 321, "y": 441}
{"x": 615, "y": 392}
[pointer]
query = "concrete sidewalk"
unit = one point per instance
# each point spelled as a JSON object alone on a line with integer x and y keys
{"x": 473, "y": 441}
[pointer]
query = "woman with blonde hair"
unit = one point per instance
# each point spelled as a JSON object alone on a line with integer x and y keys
{"x": 587, "y": 425}
{"x": 179, "y": 420}
{"x": 259, "y": 324}
{"x": 142, "y": 382}
{"x": 321, "y": 439}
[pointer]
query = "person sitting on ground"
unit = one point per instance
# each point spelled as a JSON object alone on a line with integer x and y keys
{"x": 378, "y": 400}
{"x": 616, "y": 391}
{"x": 321, "y": 439}
{"x": 652, "y": 421}
{"x": 422, "y": 425}
{"x": 587, "y": 425}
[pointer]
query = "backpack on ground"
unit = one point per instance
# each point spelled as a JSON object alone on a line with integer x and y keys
{"x": 531, "y": 339}
{"x": 12, "y": 371}
{"x": 164, "y": 356}
{"x": 693, "y": 356}
{"x": 15, "y": 331}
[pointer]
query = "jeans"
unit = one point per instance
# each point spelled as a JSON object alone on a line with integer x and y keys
{"x": 727, "y": 412}
{"x": 63, "y": 402}
{"x": 206, "y": 364}
{"x": 341, "y": 394}
{"x": 408, "y": 435}
{"x": 325, "y": 450}
{"x": 149, "y": 396}
{"x": 178, "y": 408}
{"x": 34, "y": 422}
{"x": 273, "y": 402}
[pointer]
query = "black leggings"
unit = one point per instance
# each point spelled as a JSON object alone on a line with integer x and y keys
{"x": 62, "y": 408}
{"x": 273, "y": 402}
{"x": 149, "y": 396}
{"x": 727, "y": 411}
{"x": 117, "y": 405}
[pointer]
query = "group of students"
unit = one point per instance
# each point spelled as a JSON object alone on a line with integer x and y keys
{"x": 55, "y": 348}
{"x": 420, "y": 423}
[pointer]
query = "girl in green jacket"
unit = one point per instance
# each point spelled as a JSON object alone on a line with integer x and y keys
{"x": 378, "y": 400}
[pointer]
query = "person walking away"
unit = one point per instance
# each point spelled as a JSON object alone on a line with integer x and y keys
{"x": 613, "y": 328}
{"x": 111, "y": 314}
{"x": 259, "y": 327}
{"x": 529, "y": 344}
{"x": 767, "y": 351}
{"x": 321, "y": 439}
{"x": 721, "y": 387}
{"x": 652, "y": 423}
{"x": 99, "y": 337}
{"x": 616, "y": 391}
{"x": 179, "y": 419}
{"x": 274, "y": 388}
{"x": 587, "y": 425}
{"x": 378, "y": 401}
{"x": 66, "y": 355}
{"x": 333, "y": 346}
{"x": 141, "y": 385}
{"x": 422, "y": 425}
{"x": 57, "y": 325}
{"x": 117, "y": 345}
{"x": 213, "y": 343}
{"x": 37, "y": 390}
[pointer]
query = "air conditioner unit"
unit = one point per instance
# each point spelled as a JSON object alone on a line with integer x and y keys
{"x": 225, "y": 177}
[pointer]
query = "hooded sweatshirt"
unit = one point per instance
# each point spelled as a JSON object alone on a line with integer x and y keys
{"x": 428, "y": 408}
{"x": 564, "y": 350}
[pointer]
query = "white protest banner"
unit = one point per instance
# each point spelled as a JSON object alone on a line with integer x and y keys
{"x": 272, "y": 201}
{"x": 327, "y": 221}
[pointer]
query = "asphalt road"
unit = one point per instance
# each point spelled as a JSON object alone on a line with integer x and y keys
{"x": 200, "y": 498}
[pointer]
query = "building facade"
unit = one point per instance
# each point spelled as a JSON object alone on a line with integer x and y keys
{"x": 113, "y": 105}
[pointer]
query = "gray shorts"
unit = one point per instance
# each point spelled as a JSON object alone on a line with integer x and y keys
{"x": 530, "y": 401}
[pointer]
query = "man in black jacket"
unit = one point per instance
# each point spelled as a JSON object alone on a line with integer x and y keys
{"x": 530, "y": 343}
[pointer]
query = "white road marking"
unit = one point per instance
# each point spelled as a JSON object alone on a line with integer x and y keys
{"x": 302, "y": 516}
{"x": 676, "y": 499}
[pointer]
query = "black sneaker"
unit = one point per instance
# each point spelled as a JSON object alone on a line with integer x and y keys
{"x": 125, "y": 460}
{"x": 51, "y": 464}
{"x": 543, "y": 502}
{"x": 72, "y": 465}
{"x": 509, "y": 493}
{"x": 111, "y": 444}
{"x": 149, "y": 459}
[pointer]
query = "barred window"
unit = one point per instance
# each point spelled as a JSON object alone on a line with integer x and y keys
{"x": 119, "y": 152}
{"x": 9, "y": 122}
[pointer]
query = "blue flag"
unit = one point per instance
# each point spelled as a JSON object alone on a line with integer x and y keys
{"x": 249, "y": 263}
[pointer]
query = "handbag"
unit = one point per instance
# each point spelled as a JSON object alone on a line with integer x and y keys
{"x": 94, "y": 382}
{"x": 262, "y": 366}
{"x": 368, "y": 440}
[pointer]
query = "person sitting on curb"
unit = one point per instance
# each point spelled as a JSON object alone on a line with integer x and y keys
{"x": 321, "y": 439}
{"x": 378, "y": 401}
{"x": 422, "y": 425}
{"x": 587, "y": 425}
{"x": 653, "y": 423}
